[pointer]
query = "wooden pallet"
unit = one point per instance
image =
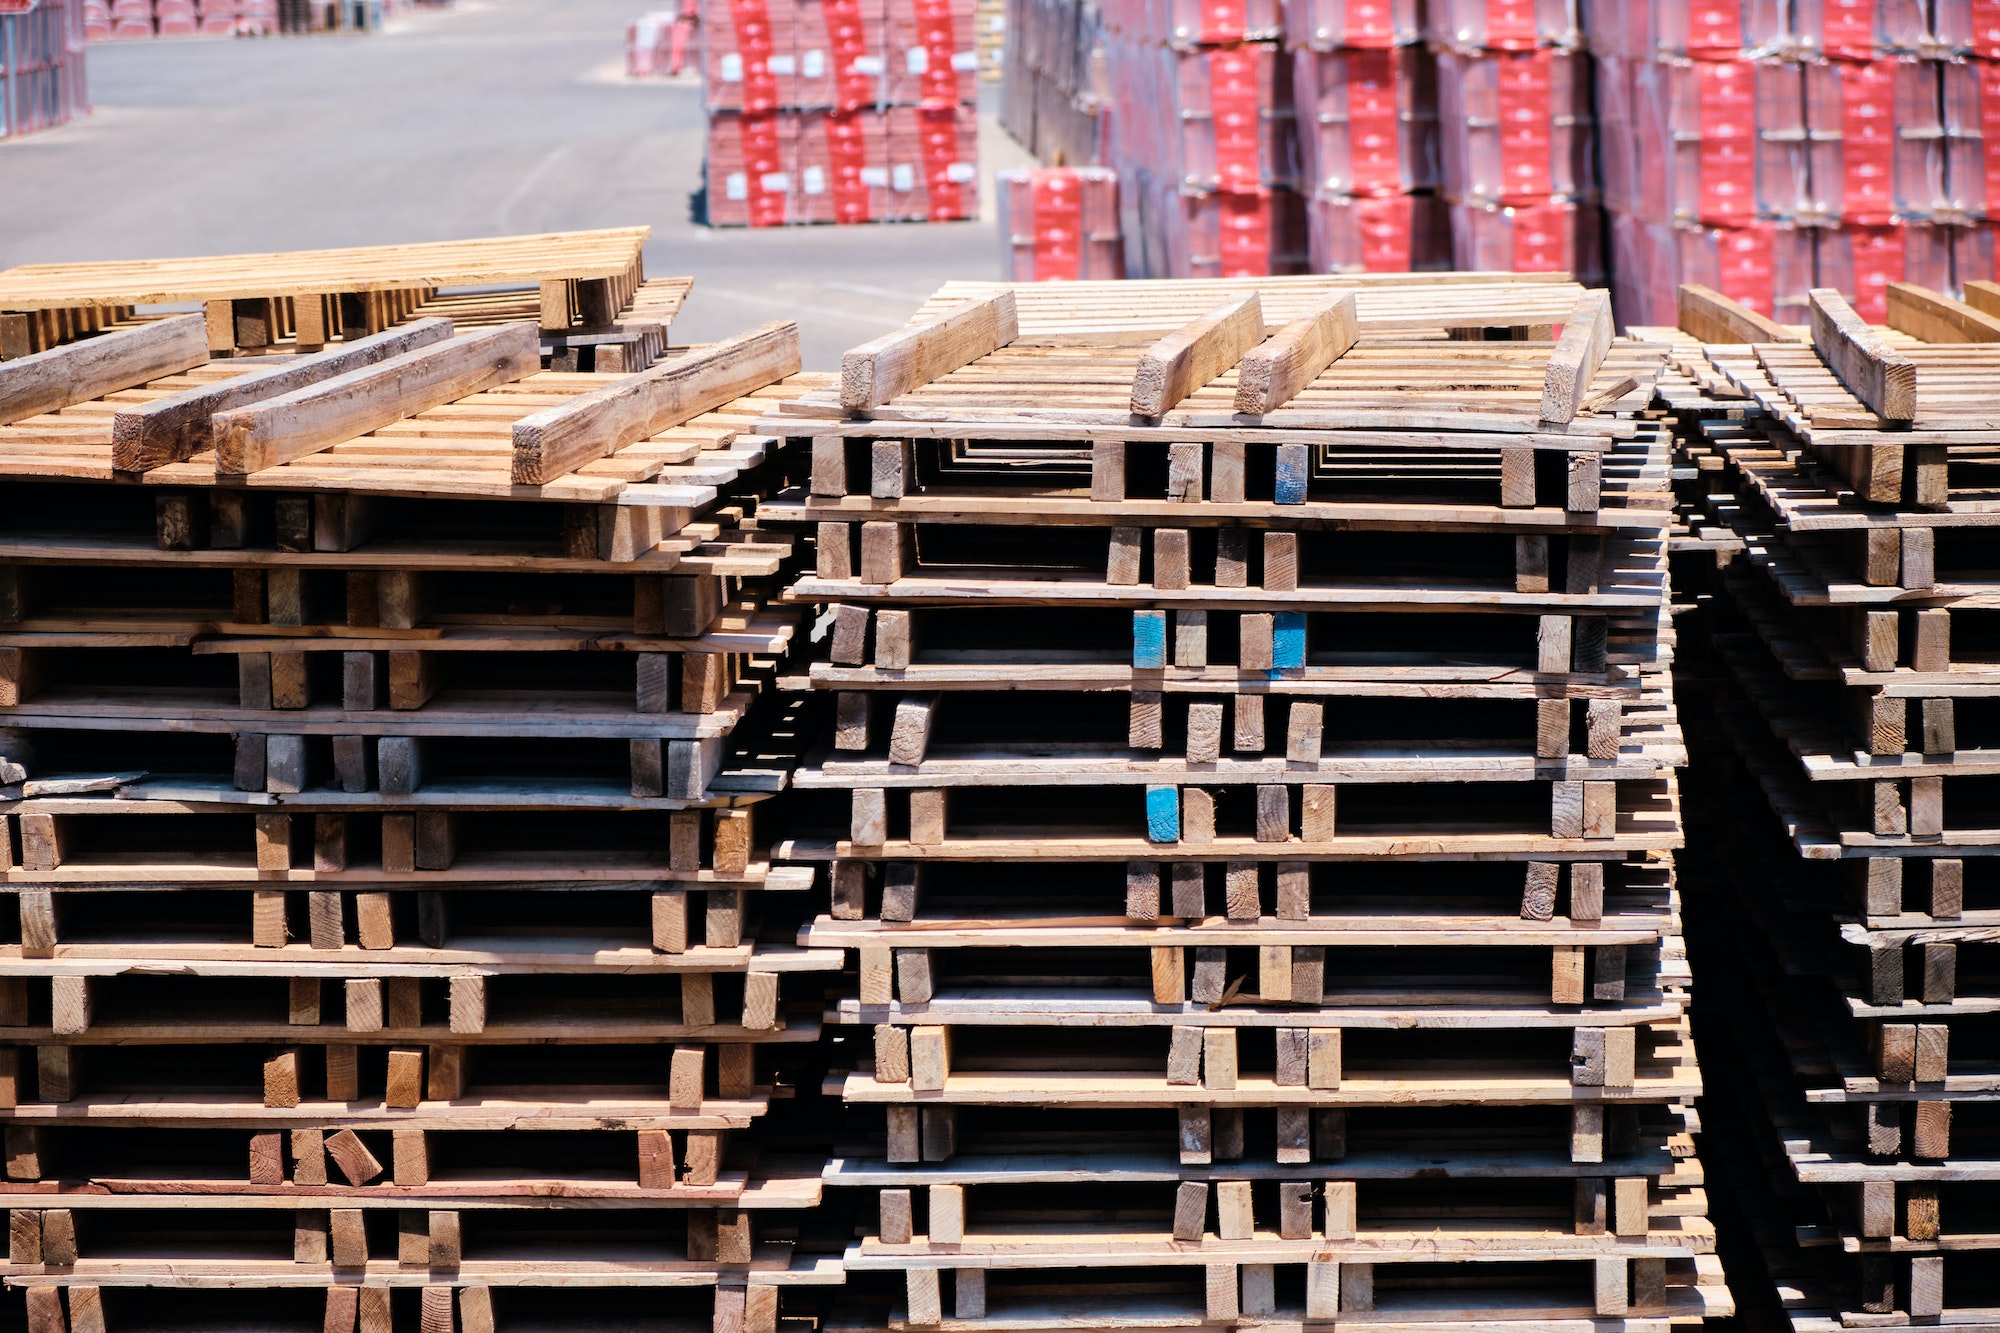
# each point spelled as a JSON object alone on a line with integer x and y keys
{"x": 384, "y": 731}
{"x": 584, "y": 290}
{"x": 1851, "y": 928}
{"x": 1141, "y": 817}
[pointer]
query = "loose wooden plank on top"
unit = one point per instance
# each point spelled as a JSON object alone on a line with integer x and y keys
{"x": 78, "y": 372}
{"x": 1196, "y": 353}
{"x": 1983, "y": 296}
{"x": 1271, "y": 375}
{"x": 250, "y": 439}
{"x": 175, "y": 428}
{"x": 1714, "y": 318}
{"x": 557, "y": 440}
{"x": 1884, "y": 380}
{"x": 883, "y": 368}
{"x": 1586, "y": 338}
{"x": 1936, "y": 318}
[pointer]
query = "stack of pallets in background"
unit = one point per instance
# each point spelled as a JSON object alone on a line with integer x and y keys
{"x": 42, "y": 79}
{"x": 1515, "y": 120}
{"x": 1366, "y": 103}
{"x": 1841, "y": 939}
{"x": 990, "y": 33}
{"x": 397, "y": 946}
{"x": 1242, "y": 768}
{"x": 587, "y": 291}
{"x": 840, "y": 111}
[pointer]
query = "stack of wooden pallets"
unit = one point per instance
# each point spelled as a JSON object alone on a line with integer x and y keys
{"x": 1844, "y": 943}
{"x": 380, "y": 735}
{"x": 1243, "y": 770}
{"x": 586, "y": 290}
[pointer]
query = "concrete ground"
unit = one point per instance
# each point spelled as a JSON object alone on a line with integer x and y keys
{"x": 494, "y": 117}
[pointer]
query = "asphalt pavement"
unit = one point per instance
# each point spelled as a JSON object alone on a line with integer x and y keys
{"x": 489, "y": 118}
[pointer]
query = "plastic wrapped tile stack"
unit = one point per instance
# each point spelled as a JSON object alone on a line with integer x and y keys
{"x": 1059, "y": 224}
{"x": 1842, "y": 909}
{"x": 1760, "y": 149}
{"x": 1365, "y": 94}
{"x": 1705, "y": 156}
{"x": 1203, "y": 138}
{"x": 1515, "y": 120}
{"x": 1242, "y": 771}
{"x": 1971, "y": 141}
{"x": 840, "y": 111}
{"x": 121, "y": 20}
{"x": 1897, "y": 145}
{"x": 42, "y": 82}
{"x": 383, "y": 732}
{"x": 1053, "y": 92}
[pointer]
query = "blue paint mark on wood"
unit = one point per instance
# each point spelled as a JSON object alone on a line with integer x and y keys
{"x": 1290, "y": 486}
{"x": 1149, "y": 640}
{"x": 1288, "y": 640}
{"x": 1163, "y": 814}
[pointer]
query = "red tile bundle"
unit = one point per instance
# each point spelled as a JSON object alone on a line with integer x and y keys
{"x": 1203, "y": 139}
{"x": 840, "y": 111}
{"x": 127, "y": 20}
{"x": 1764, "y": 264}
{"x": 1471, "y": 27}
{"x": 1365, "y": 97}
{"x": 1202, "y": 136}
{"x": 1862, "y": 259}
{"x": 42, "y": 67}
{"x": 1704, "y": 154}
{"x": 1874, "y": 115}
{"x": 1366, "y": 103}
{"x": 1515, "y": 125}
{"x": 1764, "y": 148}
{"x": 1969, "y": 107}
{"x": 1059, "y": 224}
{"x": 1759, "y": 147}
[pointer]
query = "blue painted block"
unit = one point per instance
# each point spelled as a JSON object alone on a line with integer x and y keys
{"x": 1290, "y": 486}
{"x": 1288, "y": 640}
{"x": 1149, "y": 640}
{"x": 1163, "y": 814}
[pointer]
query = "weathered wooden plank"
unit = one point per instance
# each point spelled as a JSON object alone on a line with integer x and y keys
{"x": 1936, "y": 318}
{"x": 883, "y": 368}
{"x": 1586, "y": 338}
{"x": 558, "y": 440}
{"x": 1271, "y": 375}
{"x": 175, "y": 428}
{"x": 1883, "y": 379}
{"x": 80, "y": 371}
{"x": 1983, "y": 296}
{"x": 1714, "y": 318}
{"x": 1196, "y": 353}
{"x": 292, "y": 425}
